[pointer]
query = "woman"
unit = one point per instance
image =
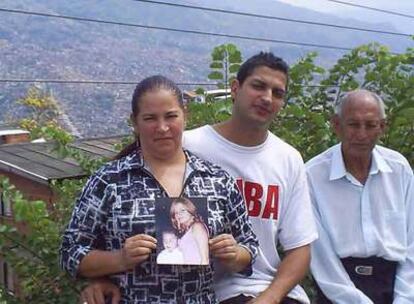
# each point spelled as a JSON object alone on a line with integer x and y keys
{"x": 116, "y": 209}
{"x": 192, "y": 231}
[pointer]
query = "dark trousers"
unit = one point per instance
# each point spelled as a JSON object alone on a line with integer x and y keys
{"x": 374, "y": 276}
{"x": 242, "y": 299}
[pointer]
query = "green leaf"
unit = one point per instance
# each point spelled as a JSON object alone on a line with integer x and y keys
{"x": 216, "y": 65}
{"x": 215, "y": 76}
{"x": 234, "y": 68}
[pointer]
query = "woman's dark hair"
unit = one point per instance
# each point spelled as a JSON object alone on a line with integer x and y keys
{"x": 152, "y": 83}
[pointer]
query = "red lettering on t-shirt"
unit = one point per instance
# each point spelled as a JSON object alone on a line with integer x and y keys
{"x": 272, "y": 202}
{"x": 253, "y": 192}
{"x": 253, "y": 196}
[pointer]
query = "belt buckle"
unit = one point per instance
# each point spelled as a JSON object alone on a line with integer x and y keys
{"x": 364, "y": 270}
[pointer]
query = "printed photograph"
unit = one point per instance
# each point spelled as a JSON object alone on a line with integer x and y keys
{"x": 182, "y": 233}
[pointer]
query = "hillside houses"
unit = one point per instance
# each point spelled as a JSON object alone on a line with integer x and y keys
{"x": 32, "y": 167}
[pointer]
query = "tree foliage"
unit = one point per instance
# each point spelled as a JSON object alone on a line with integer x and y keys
{"x": 42, "y": 120}
{"x": 371, "y": 67}
{"x": 226, "y": 60}
{"x": 304, "y": 123}
{"x": 32, "y": 250}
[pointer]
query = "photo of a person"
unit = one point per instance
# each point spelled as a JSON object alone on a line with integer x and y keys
{"x": 171, "y": 254}
{"x": 192, "y": 231}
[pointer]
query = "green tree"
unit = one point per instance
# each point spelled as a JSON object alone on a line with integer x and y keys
{"x": 226, "y": 60}
{"x": 42, "y": 118}
{"x": 390, "y": 75}
{"x": 32, "y": 249}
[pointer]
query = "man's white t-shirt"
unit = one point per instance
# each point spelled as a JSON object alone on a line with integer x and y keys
{"x": 272, "y": 179}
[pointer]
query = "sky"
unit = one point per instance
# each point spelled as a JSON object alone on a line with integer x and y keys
{"x": 401, "y": 6}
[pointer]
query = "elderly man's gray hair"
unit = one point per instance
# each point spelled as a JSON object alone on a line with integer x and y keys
{"x": 343, "y": 100}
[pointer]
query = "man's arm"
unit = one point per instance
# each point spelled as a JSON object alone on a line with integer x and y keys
{"x": 329, "y": 272}
{"x": 297, "y": 230}
{"x": 403, "y": 288}
{"x": 291, "y": 271}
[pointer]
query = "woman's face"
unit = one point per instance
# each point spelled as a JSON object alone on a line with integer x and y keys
{"x": 182, "y": 215}
{"x": 160, "y": 123}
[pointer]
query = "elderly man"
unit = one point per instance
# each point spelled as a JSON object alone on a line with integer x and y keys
{"x": 362, "y": 196}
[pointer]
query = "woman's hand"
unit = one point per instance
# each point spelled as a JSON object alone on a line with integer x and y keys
{"x": 98, "y": 263}
{"x": 225, "y": 248}
{"x": 136, "y": 250}
{"x": 97, "y": 290}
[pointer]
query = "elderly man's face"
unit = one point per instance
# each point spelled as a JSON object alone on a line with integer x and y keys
{"x": 359, "y": 126}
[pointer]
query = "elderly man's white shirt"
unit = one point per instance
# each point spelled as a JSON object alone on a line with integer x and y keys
{"x": 375, "y": 219}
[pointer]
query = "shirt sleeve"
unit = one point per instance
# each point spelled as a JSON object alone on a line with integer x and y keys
{"x": 240, "y": 225}
{"x": 403, "y": 288}
{"x": 297, "y": 225}
{"x": 85, "y": 225}
{"x": 328, "y": 270}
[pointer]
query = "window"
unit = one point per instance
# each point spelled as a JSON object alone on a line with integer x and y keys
{"x": 6, "y": 277}
{"x": 2, "y": 272}
{"x": 5, "y": 206}
{"x": 2, "y": 211}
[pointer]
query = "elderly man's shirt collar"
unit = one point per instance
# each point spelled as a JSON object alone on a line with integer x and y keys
{"x": 338, "y": 169}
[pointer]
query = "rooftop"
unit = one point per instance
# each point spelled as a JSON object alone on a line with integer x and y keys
{"x": 13, "y": 132}
{"x": 40, "y": 161}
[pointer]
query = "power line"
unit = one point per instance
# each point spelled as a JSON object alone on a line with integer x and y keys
{"x": 373, "y": 8}
{"x": 316, "y": 45}
{"x": 62, "y": 81}
{"x": 272, "y": 17}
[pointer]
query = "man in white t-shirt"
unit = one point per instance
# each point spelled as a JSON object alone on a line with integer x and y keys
{"x": 272, "y": 177}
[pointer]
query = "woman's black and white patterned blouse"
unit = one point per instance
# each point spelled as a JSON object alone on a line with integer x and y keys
{"x": 118, "y": 202}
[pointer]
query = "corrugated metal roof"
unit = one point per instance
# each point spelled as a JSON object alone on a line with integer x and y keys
{"x": 40, "y": 161}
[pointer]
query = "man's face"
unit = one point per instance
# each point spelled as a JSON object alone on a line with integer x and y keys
{"x": 359, "y": 126}
{"x": 260, "y": 97}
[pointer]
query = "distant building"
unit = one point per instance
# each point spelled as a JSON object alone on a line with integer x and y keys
{"x": 31, "y": 167}
{"x": 188, "y": 96}
{"x": 212, "y": 95}
{"x": 11, "y": 136}
{"x": 219, "y": 94}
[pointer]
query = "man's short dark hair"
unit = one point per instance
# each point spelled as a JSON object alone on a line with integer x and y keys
{"x": 262, "y": 59}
